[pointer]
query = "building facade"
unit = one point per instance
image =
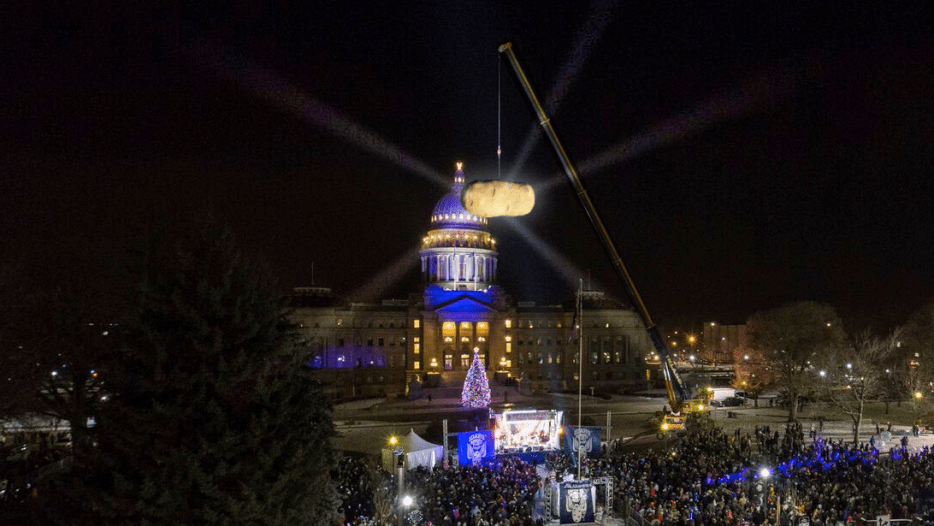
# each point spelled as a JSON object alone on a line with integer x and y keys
{"x": 429, "y": 339}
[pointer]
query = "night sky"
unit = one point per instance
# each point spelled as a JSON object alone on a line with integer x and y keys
{"x": 741, "y": 154}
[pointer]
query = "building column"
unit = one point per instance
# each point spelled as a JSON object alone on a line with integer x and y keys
{"x": 456, "y": 359}
{"x": 474, "y": 339}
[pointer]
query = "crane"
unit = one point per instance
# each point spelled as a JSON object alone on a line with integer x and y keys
{"x": 678, "y": 398}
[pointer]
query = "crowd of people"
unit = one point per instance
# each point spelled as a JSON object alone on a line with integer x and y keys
{"x": 707, "y": 477}
{"x": 710, "y": 477}
{"x": 500, "y": 494}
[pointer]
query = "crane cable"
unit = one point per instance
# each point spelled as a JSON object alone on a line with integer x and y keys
{"x": 499, "y": 116}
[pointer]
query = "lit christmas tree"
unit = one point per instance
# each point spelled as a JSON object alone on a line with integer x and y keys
{"x": 476, "y": 391}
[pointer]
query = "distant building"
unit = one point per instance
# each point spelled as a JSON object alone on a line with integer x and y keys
{"x": 429, "y": 339}
{"x": 721, "y": 341}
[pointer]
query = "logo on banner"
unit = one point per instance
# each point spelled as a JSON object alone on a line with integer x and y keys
{"x": 576, "y": 503}
{"x": 582, "y": 440}
{"x": 476, "y": 448}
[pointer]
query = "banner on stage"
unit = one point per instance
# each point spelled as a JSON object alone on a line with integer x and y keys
{"x": 585, "y": 438}
{"x": 474, "y": 446}
{"x": 576, "y": 502}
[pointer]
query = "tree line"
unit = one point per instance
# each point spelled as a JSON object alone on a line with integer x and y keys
{"x": 802, "y": 350}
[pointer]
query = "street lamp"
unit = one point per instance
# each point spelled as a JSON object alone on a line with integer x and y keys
{"x": 399, "y": 456}
{"x": 914, "y": 406}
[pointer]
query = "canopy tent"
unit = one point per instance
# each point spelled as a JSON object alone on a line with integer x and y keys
{"x": 417, "y": 452}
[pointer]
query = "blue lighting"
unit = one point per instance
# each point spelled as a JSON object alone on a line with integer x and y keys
{"x": 462, "y": 305}
{"x": 348, "y": 357}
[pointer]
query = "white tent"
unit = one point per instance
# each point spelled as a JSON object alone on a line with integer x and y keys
{"x": 417, "y": 451}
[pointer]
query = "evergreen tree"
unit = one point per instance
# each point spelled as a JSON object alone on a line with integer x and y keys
{"x": 212, "y": 419}
{"x": 476, "y": 392}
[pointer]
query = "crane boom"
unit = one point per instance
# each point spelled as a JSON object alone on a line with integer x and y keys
{"x": 677, "y": 393}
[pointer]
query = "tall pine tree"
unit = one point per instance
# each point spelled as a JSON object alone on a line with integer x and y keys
{"x": 476, "y": 392}
{"x": 212, "y": 419}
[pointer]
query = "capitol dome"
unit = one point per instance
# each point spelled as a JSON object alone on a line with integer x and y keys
{"x": 458, "y": 252}
{"x": 450, "y": 213}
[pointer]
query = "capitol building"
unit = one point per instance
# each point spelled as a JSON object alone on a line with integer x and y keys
{"x": 428, "y": 340}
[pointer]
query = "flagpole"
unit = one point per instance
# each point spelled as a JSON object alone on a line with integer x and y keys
{"x": 580, "y": 366}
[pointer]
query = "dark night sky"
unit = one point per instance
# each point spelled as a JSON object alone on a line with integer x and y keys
{"x": 759, "y": 153}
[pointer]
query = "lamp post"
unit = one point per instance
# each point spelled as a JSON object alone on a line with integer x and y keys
{"x": 917, "y": 397}
{"x": 399, "y": 455}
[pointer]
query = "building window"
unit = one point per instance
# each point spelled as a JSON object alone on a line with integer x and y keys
{"x": 558, "y": 358}
{"x": 508, "y": 324}
{"x": 380, "y": 342}
{"x": 607, "y": 358}
{"x": 416, "y": 345}
{"x": 541, "y": 358}
{"x": 340, "y": 321}
{"x": 369, "y": 342}
{"x": 617, "y": 357}
{"x": 416, "y": 364}
{"x": 594, "y": 358}
{"x": 550, "y": 357}
{"x": 528, "y": 357}
{"x": 508, "y": 347}
{"x": 416, "y": 323}
{"x": 340, "y": 342}
{"x": 549, "y": 342}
